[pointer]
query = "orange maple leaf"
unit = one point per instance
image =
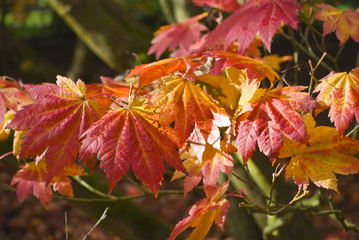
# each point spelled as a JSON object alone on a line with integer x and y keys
{"x": 55, "y": 122}
{"x": 256, "y": 69}
{"x": 207, "y": 167}
{"x": 31, "y": 179}
{"x": 182, "y": 101}
{"x": 204, "y": 213}
{"x": 12, "y": 96}
{"x": 340, "y": 91}
{"x": 344, "y": 23}
{"x": 324, "y": 154}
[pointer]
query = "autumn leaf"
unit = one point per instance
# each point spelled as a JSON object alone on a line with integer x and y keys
{"x": 124, "y": 137}
{"x": 224, "y": 5}
{"x": 263, "y": 17}
{"x": 256, "y": 69}
{"x": 4, "y": 132}
{"x": 102, "y": 92}
{"x": 206, "y": 160}
{"x": 55, "y": 122}
{"x": 148, "y": 73}
{"x": 31, "y": 179}
{"x": 340, "y": 92}
{"x": 182, "y": 101}
{"x": 344, "y": 23}
{"x": 324, "y": 155}
{"x": 204, "y": 213}
{"x": 12, "y": 96}
{"x": 177, "y": 35}
{"x": 275, "y": 60}
{"x": 269, "y": 115}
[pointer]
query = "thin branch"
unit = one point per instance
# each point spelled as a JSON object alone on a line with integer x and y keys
{"x": 97, "y": 223}
{"x": 304, "y": 50}
{"x": 112, "y": 199}
{"x": 66, "y": 230}
{"x": 92, "y": 189}
{"x": 352, "y": 131}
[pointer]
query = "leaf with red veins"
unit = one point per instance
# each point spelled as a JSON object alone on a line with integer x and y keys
{"x": 31, "y": 179}
{"x": 340, "y": 92}
{"x": 204, "y": 213}
{"x": 182, "y": 101}
{"x": 224, "y": 5}
{"x": 263, "y": 17}
{"x": 344, "y": 23}
{"x": 55, "y": 123}
{"x": 177, "y": 35}
{"x": 122, "y": 138}
{"x": 270, "y": 115}
{"x": 257, "y": 69}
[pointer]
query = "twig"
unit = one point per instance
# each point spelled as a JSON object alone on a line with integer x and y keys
{"x": 92, "y": 189}
{"x": 66, "y": 230}
{"x": 297, "y": 44}
{"x": 97, "y": 223}
{"x": 274, "y": 177}
{"x": 352, "y": 131}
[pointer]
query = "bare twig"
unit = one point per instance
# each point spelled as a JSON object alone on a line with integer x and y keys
{"x": 97, "y": 223}
{"x": 66, "y": 230}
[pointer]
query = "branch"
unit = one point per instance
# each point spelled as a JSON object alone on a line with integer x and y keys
{"x": 304, "y": 50}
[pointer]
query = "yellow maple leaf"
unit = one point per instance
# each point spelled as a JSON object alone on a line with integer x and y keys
{"x": 325, "y": 155}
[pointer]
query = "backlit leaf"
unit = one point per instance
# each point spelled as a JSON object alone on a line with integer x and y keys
{"x": 182, "y": 101}
{"x": 224, "y": 5}
{"x": 263, "y": 17}
{"x": 31, "y": 179}
{"x": 344, "y": 23}
{"x": 340, "y": 91}
{"x": 204, "y": 213}
{"x": 55, "y": 123}
{"x": 324, "y": 155}
{"x": 122, "y": 138}
{"x": 271, "y": 114}
{"x": 178, "y": 35}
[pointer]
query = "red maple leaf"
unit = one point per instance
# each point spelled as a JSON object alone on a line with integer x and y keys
{"x": 177, "y": 35}
{"x": 224, "y": 5}
{"x": 124, "y": 137}
{"x": 59, "y": 117}
{"x": 255, "y": 16}
{"x": 272, "y": 113}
